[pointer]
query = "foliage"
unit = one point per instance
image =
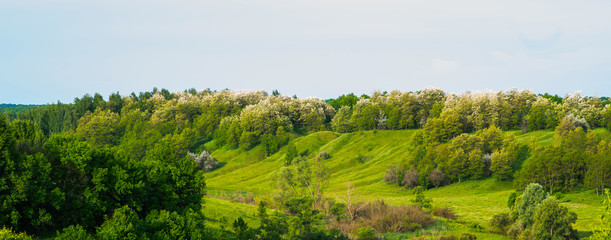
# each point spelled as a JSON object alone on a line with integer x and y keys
{"x": 420, "y": 200}
{"x": 552, "y": 221}
{"x": 73, "y": 233}
{"x": 74, "y": 166}
{"x": 204, "y": 160}
{"x": 437, "y": 177}
{"x": 533, "y": 195}
{"x": 410, "y": 178}
{"x": 604, "y": 230}
{"x": 366, "y": 233}
{"x": 500, "y": 222}
{"x": 8, "y": 234}
{"x": 444, "y": 212}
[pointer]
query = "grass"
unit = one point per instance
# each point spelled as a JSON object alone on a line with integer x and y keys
{"x": 215, "y": 209}
{"x": 361, "y": 159}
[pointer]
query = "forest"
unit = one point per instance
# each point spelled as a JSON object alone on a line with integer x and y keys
{"x": 254, "y": 165}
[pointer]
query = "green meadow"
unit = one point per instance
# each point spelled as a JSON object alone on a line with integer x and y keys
{"x": 361, "y": 159}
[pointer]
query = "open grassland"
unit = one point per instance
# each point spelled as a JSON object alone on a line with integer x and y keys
{"x": 361, "y": 159}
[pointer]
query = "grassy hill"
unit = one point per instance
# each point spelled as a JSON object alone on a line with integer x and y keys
{"x": 361, "y": 159}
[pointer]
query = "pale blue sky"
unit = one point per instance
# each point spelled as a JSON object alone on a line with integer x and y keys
{"x": 60, "y": 49}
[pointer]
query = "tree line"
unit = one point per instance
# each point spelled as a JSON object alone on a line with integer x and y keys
{"x": 126, "y": 165}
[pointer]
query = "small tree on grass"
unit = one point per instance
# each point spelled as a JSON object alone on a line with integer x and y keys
{"x": 204, "y": 160}
{"x": 437, "y": 177}
{"x": 410, "y": 178}
{"x": 392, "y": 174}
{"x": 420, "y": 200}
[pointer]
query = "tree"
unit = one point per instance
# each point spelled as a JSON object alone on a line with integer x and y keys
{"x": 392, "y": 174}
{"x": 74, "y": 232}
{"x": 204, "y": 160}
{"x": 348, "y": 100}
{"x": 501, "y": 164}
{"x": 8, "y": 234}
{"x": 569, "y": 123}
{"x": 597, "y": 175}
{"x": 410, "y": 178}
{"x": 465, "y": 157}
{"x": 421, "y": 201}
{"x": 28, "y": 137}
{"x": 291, "y": 153}
{"x": 492, "y": 139}
{"x": 341, "y": 121}
{"x": 437, "y": 177}
{"x": 533, "y": 195}
{"x": 364, "y": 114}
{"x": 444, "y": 128}
{"x": 552, "y": 221}
{"x": 115, "y": 102}
{"x": 100, "y": 128}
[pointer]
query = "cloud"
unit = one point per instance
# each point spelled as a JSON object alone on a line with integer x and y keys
{"x": 443, "y": 65}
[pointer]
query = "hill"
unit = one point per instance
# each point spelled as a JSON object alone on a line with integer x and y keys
{"x": 361, "y": 159}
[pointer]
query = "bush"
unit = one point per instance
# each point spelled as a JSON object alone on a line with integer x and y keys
{"x": 392, "y": 174}
{"x": 467, "y": 236}
{"x": 437, "y": 177}
{"x": 204, "y": 160}
{"x": 421, "y": 201}
{"x": 366, "y": 233}
{"x": 444, "y": 212}
{"x": 323, "y": 155}
{"x": 500, "y": 222}
{"x": 398, "y": 219}
{"x": 410, "y": 178}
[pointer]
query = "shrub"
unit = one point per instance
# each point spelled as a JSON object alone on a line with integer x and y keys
{"x": 366, "y": 233}
{"x": 421, "y": 201}
{"x": 384, "y": 218}
{"x": 444, "y": 212}
{"x": 323, "y": 155}
{"x": 467, "y": 236}
{"x": 204, "y": 160}
{"x": 410, "y": 178}
{"x": 392, "y": 174}
{"x": 500, "y": 222}
{"x": 437, "y": 177}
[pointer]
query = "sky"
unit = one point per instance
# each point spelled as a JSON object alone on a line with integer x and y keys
{"x": 56, "y": 50}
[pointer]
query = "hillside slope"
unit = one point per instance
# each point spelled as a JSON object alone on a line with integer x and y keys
{"x": 362, "y": 158}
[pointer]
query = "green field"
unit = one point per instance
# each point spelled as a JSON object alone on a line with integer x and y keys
{"x": 361, "y": 158}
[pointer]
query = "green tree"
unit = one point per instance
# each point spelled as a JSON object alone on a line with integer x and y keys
{"x": 465, "y": 157}
{"x": 533, "y": 195}
{"x": 492, "y": 139}
{"x": 73, "y": 232}
{"x": 501, "y": 164}
{"x": 552, "y": 221}
{"x": 420, "y": 200}
{"x": 100, "y": 128}
{"x": 291, "y": 153}
{"x": 8, "y": 234}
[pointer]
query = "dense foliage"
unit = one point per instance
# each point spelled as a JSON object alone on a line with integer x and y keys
{"x": 132, "y": 166}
